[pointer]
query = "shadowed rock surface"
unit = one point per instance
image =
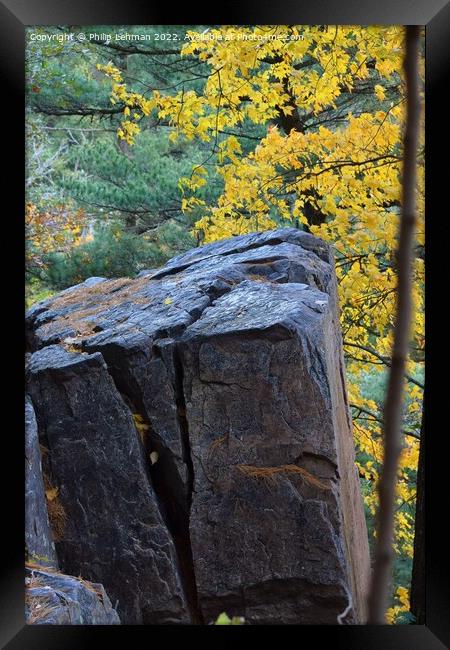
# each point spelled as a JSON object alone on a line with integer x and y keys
{"x": 114, "y": 532}
{"x": 58, "y": 599}
{"x": 38, "y": 537}
{"x": 229, "y": 362}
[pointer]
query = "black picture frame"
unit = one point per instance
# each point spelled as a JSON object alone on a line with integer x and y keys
{"x": 15, "y": 16}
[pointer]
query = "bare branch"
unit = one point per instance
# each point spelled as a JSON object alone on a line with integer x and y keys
{"x": 377, "y": 418}
{"x": 385, "y": 360}
{"x": 133, "y": 49}
{"x": 82, "y": 110}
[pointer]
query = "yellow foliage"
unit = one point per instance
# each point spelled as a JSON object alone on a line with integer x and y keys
{"x": 350, "y": 174}
{"x": 402, "y": 600}
{"x": 55, "y": 230}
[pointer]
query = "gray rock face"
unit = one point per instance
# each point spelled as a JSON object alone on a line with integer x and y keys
{"x": 38, "y": 537}
{"x": 263, "y": 436}
{"x": 58, "y": 599}
{"x": 115, "y": 533}
{"x": 230, "y": 360}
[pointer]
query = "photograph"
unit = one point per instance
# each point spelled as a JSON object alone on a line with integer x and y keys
{"x": 223, "y": 236}
{"x": 213, "y": 216}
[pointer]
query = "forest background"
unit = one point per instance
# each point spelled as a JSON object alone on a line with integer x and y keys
{"x": 145, "y": 141}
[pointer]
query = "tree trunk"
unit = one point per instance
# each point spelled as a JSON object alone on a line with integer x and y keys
{"x": 392, "y": 415}
{"x": 418, "y": 573}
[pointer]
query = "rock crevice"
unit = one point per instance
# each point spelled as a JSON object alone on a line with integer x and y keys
{"x": 185, "y": 549}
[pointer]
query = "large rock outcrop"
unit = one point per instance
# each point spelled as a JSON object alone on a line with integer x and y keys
{"x": 199, "y": 434}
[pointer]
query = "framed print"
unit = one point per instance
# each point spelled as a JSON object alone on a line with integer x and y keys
{"x": 214, "y": 206}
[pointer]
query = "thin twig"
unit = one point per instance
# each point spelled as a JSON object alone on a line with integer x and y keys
{"x": 377, "y": 418}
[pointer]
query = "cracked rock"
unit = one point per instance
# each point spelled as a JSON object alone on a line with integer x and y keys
{"x": 114, "y": 531}
{"x": 230, "y": 358}
{"x": 38, "y": 537}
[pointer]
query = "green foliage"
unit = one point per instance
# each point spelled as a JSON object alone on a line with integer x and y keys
{"x": 61, "y": 75}
{"x": 140, "y": 185}
{"x": 224, "y": 619}
{"x": 72, "y": 138}
{"x": 372, "y": 383}
{"x": 405, "y": 618}
{"x": 111, "y": 253}
{"x": 36, "y": 291}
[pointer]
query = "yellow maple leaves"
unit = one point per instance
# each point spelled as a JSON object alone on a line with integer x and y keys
{"x": 402, "y": 604}
{"x": 348, "y": 172}
{"x": 128, "y": 130}
{"x": 52, "y": 230}
{"x": 110, "y": 70}
{"x": 256, "y": 72}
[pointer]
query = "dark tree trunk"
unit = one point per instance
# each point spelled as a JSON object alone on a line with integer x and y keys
{"x": 418, "y": 573}
{"x": 314, "y": 216}
{"x": 293, "y": 121}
